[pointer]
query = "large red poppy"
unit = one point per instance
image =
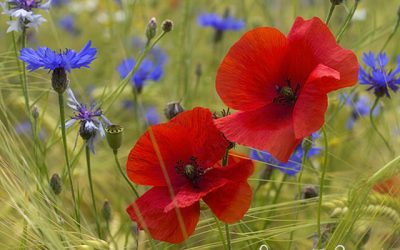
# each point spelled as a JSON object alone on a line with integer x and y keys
{"x": 279, "y": 85}
{"x": 186, "y": 153}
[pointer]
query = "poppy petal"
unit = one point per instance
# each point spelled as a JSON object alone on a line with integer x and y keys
{"x": 187, "y": 195}
{"x": 230, "y": 202}
{"x": 239, "y": 168}
{"x": 164, "y": 226}
{"x": 248, "y": 74}
{"x": 319, "y": 45}
{"x": 269, "y": 128}
{"x": 311, "y": 105}
{"x": 191, "y": 133}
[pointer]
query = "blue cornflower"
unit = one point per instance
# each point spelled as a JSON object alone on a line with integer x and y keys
{"x": 22, "y": 11}
{"x": 217, "y": 22}
{"x": 148, "y": 70}
{"x": 59, "y": 63}
{"x": 68, "y": 24}
{"x": 292, "y": 167}
{"x": 152, "y": 116}
{"x": 361, "y": 106}
{"x": 89, "y": 120}
{"x": 69, "y": 59}
{"x": 380, "y": 78}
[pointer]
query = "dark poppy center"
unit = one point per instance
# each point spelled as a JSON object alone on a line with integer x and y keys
{"x": 190, "y": 170}
{"x": 286, "y": 95}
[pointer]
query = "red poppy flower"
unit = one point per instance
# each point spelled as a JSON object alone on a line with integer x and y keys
{"x": 390, "y": 186}
{"x": 279, "y": 85}
{"x": 181, "y": 159}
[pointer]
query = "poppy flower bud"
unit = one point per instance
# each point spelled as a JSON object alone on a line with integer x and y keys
{"x": 173, "y": 109}
{"x": 151, "y": 29}
{"x": 309, "y": 192}
{"x": 336, "y": 2}
{"x": 35, "y": 112}
{"x": 167, "y": 25}
{"x": 59, "y": 80}
{"x": 55, "y": 184}
{"x": 114, "y": 136}
{"x": 106, "y": 211}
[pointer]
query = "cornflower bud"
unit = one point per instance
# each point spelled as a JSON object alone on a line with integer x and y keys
{"x": 151, "y": 29}
{"x": 167, "y": 25}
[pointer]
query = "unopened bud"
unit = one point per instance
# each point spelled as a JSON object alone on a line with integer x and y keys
{"x": 173, "y": 109}
{"x": 114, "y": 136}
{"x": 307, "y": 144}
{"x": 151, "y": 29}
{"x": 309, "y": 192}
{"x": 199, "y": 70}
{"x": 59, "y": 80}
{"x": 106, "y": 211}
{"x": 35, "y": 112}
{"x": 55, "y": 184}
{"x": 336, "y": 2}
{"x": 167, "y": 25}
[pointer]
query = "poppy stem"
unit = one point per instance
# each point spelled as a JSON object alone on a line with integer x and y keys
{"x": 346, "y": 24}
{"x": 92, "y": 190}
{"x": 221, "y": 235}
{"x": 64, "y": 139}
{"x": 331, "y": 9}
{"x": 321, "y": 186}
{"x": 225, "y": 159}
{"x": 124, "y": 175}
{"x": 391, "y": 34}
{"x": 299, "y": 193}
{"x": 228, "y": 236}
{"x": 371, "y": 118}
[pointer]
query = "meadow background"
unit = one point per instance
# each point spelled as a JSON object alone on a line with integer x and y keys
{"x": 32, "y": 217}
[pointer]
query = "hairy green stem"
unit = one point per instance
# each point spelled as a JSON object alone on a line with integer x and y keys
{"x": 371, "y": 118}
{"x": 221, "y": 235}
{"x": 321, "y": 186}
{"x": 92, "y": 191}
{"x": 346, "y": 24}
{"x": 228, "y": 237}
{"x": 331, "y": 9}
{"x": 64, "y": 139}
{"x": 391, "y": 34}
{"x": 124, "y": 175}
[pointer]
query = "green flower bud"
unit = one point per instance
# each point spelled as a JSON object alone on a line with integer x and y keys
{"x": 167, "y": 25}
{"x": 114, "y": 136}
{"x": 55, "y": 184}
{"x": 35, "y": 112}
{"x": 151, "y": 29}
{"x": 59, "y": 80}
{"x": 106, "y": 211}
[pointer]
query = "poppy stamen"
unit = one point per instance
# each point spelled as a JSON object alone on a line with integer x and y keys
{"x": 190, "y": 170}
{"x": 286, "y": 94}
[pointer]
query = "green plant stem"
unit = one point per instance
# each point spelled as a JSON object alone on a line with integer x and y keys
{"x": 64, "y": 139}
{"x": 347, "y": 22}
{"x": 321, "y": 186}
{"x": 124, "y": 175}
{"x": 299, "y": 193}
{"x": 111, "y": 236}
{"x": 371, "y": 118}
{"x": 92, "y": 191}
{"x": 331, "y": 9}
{"x": 221, "y": 235}
{"x": 278, "y": 192}
{"x": 391, "y": 34}
{"x": 228, "y": 237}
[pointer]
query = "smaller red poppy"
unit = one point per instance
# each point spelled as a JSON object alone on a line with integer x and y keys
{"x": 279, "y": 85}
{"x": 185, "y": 153}
{"x": 390, "y": 186}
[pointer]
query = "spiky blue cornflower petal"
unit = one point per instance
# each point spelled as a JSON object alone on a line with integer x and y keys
{"x": 69, "y": 59}
{"x": 220, "y": 23}
{"x": 292, "y": 167}
{"x": 377, "y": 76}
{"x": 90, "y": 118}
